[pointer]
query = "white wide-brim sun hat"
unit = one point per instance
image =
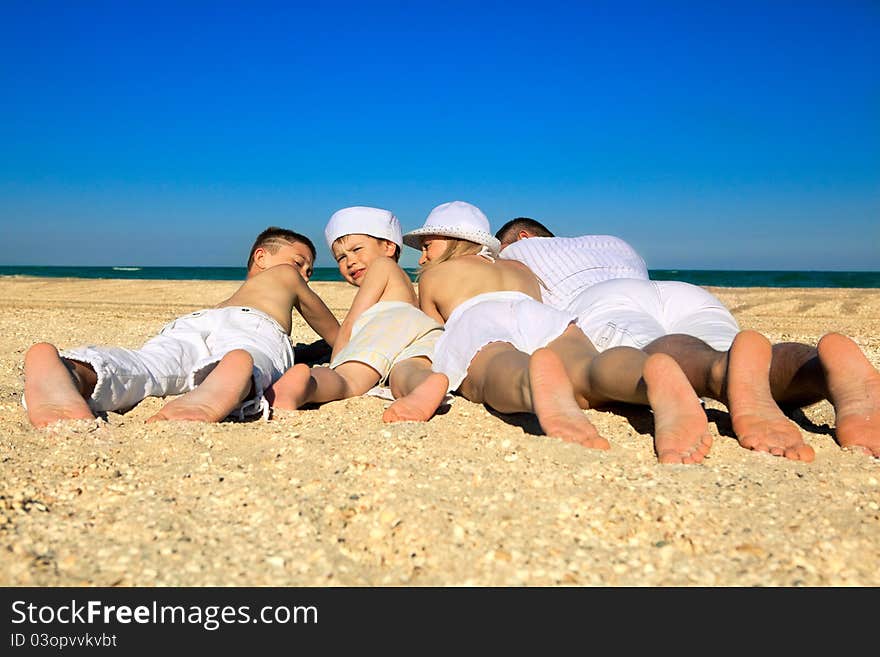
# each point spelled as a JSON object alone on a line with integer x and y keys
{"x": 455, "y": 219}
{"x": 361, "y": 220}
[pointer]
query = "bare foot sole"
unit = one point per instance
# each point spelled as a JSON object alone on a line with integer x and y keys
{"x": 223, "y": 389}
{"x": 681, "y": 430}
{"x": 292, "y": 389}
{"x": 421, "y": 404}
{"x": 759, "y": 424}
{"x": 854, "y": 388}
{"x": 554, "y": 402}
{"x": 50, "y": 392}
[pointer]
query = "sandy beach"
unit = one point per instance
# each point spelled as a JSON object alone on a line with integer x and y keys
{"x": 331, "y": 496}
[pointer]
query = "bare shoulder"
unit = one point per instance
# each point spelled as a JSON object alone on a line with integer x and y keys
{"x": 280, "y": 276}
{"x": 285, "y": 272}
{"x": 430, "y": 275}
{"x": 386, "y": 268}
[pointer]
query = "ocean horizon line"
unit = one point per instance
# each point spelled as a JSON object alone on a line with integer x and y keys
{"x": 703, "y": 277}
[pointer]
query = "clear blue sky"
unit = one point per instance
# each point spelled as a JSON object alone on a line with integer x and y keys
{"x": 735, "y": 135}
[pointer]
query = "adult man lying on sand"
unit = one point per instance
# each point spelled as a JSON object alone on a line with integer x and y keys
{"x": 223, "y": 358}
{"x": 605, "y": 282}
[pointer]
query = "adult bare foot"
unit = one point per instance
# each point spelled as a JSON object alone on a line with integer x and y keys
{"x": 554, "y": 403}
{"x": 854, "y": 389}
{"x": 421, "y": 404}
{"x": 292, "y": 390}
{"x": 50, "y": 390}
{"x": 759, "y": 424}
{"x": 221, "y": 391}
{"x": 681, "y": 430}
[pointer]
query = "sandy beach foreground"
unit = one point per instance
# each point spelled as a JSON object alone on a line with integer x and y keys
{"x": 333, "y": 497}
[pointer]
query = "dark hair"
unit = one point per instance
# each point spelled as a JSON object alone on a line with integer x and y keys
{"x": 507, "y": 233}
{"x": 273, "y": 238}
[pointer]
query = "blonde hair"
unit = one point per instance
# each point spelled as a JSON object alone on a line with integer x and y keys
{"x": 455, "y": 248}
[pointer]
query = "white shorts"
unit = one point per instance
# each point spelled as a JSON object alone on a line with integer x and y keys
{"x": 511, "y": 317}
{"x": 183, "y": 354}
{"x": 634, "y": 312}
{"x": 387, "y": 333}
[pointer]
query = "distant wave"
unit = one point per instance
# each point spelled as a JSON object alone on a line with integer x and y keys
{"x": 127, "y": 268}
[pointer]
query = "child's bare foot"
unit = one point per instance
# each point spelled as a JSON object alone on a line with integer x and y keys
{"x": 758, "y": 422}
{"x": 421, "y": 404}
{"x": 50, "y": 391}
{"x": 221, "y": 391}
{"x": 554, "y": 403}
{"x": 854, "y": 389}
{"x": 681, "y": 431}
{"x": 292, "y": 390}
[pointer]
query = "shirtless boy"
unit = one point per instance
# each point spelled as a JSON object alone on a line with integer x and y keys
{"x": 502, "y": 347}
{"x": 384, "y": 337}
{"x": 219, "y": 360}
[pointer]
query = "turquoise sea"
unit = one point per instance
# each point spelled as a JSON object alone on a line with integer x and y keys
{"x": 708, "y": 277}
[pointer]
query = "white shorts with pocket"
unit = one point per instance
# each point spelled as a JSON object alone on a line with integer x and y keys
{"x": 182, "y": 355}
{"x": 634, "y": 312}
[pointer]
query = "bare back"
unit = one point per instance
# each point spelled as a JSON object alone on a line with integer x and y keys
{"x": 276, "y": 291}
{"x": 444, "y": 286}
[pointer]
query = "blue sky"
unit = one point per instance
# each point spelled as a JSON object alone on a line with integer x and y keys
{"x": 735, "y": 135}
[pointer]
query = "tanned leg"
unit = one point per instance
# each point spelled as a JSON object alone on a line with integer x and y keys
{"x": 223, "y": 389}
{"x": 681, "y": 431}
{"x": 420, "y": 404}
{"x": 293, "y": 389}
{"x": 758, "y": 422}
{"x": 52, "y": 388}
{"x": 854, "y": 389}
{"x": 418, "y": 392}
{"x": 553, "y": 401}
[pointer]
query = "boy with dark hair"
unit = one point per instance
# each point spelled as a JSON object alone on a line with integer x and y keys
{"x": 220, "y": 360}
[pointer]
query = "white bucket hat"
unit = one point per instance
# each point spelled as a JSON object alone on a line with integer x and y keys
{"x": 360, "y": 220}
{"x": 455, "y": 219}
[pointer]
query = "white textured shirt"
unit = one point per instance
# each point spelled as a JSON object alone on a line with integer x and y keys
{"x": 569, "y": 265}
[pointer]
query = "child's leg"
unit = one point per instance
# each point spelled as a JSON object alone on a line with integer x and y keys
{"x": 418, "y": 391}
{"x": 293, "y": 389}
{"x": 553, "y": 400}
{"x": 511, "y": 381}
{"x": 223, "y": 389}
{"x": 302, "y": 385}
{"x": 55, "y": 388}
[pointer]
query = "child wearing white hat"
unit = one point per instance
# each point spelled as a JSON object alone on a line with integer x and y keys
{"x": 384, "y": 338}
{"x": 502, "y": 347}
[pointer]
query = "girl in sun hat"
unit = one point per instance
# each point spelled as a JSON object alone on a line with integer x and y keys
{"x": 460, "y": 220}
{"x": 504, "y": 348}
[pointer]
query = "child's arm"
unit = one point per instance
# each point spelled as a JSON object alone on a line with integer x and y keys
{"x": 370, "y": 292}
{"x": 427, "y": 300}
{"x": 316, "y": 313}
